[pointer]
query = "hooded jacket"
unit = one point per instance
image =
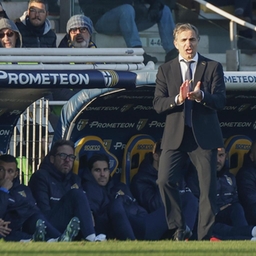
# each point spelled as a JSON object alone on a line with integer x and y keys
{"x": 17, "y": 205}
{"x": 226, "y": 188}
{"x": 144, "y": 186}
{"x": 6, "y": 23}
{"x": 49, "y": 185}
{"x": 33, "y": 37}
{"x": 100, "y": 197}
{"x": 246, "y": 183}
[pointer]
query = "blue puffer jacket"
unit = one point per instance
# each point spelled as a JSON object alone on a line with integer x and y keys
{"x": 36, "y": 37}
{"x": 49, "y": 185}
{"x": 144, "y": 187}
{"x": 226, "y": 188}
{"x": 17, "y": 205}
{"x": 246, "y": 183}
{"x": 100, "y": 197}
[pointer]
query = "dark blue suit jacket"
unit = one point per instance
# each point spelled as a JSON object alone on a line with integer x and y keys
{"x": 205, "y": 124}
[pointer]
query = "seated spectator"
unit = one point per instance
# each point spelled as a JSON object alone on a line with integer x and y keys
{"x": 127, "y": 19}
{"x": 34, "y": 26}
{"x": 246, "y": 184}
{"x": 19, "y": 210}
{"x": 10, "y": 36}
{"x": 58, "y": 191}
{"x": 79, "y": 31}
{"x": 243, "y": 10}
{"x": 2, "y": 12}
{"x": 146, "y": 190}
{"x": 230, "y": 222}
{"x": 114, "y": 208}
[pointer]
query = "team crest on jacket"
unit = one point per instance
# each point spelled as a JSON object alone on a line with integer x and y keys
{"x": 22, "y": 193}
{"x": 75, "y": 186}
{"x": 120, "y": 193}
{"x": 229, "y": 180}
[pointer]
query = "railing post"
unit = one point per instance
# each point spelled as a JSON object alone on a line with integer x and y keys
{"x": 233, "y": 55}
{"x": 232, "y": 34}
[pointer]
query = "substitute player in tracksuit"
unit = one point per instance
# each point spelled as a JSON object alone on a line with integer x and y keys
{"x": 18, "y": 206}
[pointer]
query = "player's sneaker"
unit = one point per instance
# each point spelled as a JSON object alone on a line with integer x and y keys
{"x": 100, "y": 238}
{"x": 71, "y": 231}
{"x": 40, "y": 232}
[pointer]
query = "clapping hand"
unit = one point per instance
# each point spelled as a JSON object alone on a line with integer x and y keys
{"x": 196, "y": 94}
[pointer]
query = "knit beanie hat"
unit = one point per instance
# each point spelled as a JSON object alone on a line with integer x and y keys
{"x": 80, "y": 21}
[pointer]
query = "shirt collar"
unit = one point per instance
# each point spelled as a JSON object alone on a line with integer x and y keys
{"x": 195, "y": 59}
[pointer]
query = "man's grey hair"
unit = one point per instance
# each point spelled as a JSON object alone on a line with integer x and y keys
{"x": 180, "y": 27}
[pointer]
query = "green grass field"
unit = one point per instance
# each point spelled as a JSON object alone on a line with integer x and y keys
{"x": 141, "y": 248}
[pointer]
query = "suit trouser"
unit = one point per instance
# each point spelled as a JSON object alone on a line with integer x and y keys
{"x": 171, "y": 173}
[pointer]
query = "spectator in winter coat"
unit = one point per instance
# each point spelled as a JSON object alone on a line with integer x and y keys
{"x": 79, "y": 32}
{"x": 10, "y": 36}
{"x": 34, "y": 26}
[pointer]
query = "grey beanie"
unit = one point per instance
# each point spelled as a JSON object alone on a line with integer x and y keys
{"x": 79, "y": 21}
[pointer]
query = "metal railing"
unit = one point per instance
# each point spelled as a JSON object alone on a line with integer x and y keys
{"x": 32, "y": 137}
{"x": 83, "y": 58}
{"x": 233, "y": 22}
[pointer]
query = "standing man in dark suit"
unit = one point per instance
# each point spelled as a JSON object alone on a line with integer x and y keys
{"x": 191, "y": 129}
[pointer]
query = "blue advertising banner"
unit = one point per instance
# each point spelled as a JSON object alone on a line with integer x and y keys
{"x": 67, "y": 79}
{"x": 19, "y": 89}
{"x": 116, "y": 117}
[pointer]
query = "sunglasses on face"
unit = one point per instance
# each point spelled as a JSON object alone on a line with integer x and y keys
{"x": 8, "y": 34}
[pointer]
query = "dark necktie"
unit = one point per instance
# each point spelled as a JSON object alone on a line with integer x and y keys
{"x": 188, "y": 103}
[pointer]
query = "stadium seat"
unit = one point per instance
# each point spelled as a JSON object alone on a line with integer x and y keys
{"x": 88, "y": 146}
{"x": 236, "y": 147}
{"x": 134, "y": 152}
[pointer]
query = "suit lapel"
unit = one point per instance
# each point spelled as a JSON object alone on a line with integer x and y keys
{"x": 176, "y": 72}
{"x": 201, "y": 66}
